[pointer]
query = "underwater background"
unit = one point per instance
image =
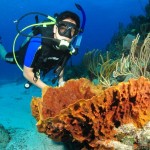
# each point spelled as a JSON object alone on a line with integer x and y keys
{"x": 105, "y": 29}
{"x": 103, "y": 18}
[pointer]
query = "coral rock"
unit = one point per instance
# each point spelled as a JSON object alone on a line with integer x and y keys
{"x": 82, "y": 112}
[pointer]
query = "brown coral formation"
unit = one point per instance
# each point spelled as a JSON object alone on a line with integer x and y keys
{"x": 82, "y": 112}
{"x": 56, "y": 99}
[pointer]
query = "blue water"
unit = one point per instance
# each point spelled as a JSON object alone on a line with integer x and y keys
{"x": 102, "y": 22}
{"x": 103, "y": 17}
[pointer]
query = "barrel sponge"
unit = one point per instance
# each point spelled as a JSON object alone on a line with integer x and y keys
{"x": 80, "y": 111}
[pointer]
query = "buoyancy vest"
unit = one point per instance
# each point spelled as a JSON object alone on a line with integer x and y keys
{"x": 48, "y": 56}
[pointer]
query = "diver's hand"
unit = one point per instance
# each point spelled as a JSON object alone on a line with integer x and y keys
{"x": 61, "y": 83}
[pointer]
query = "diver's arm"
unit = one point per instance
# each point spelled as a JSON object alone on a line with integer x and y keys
{"x": 29, "y": 75}
{"x": 61, "y": 79}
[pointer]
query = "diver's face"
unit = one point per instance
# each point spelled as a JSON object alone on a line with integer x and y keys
{"x": 65, "y": 30}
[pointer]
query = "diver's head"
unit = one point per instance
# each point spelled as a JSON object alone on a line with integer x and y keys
{"x": 67, "y": 26}
{"x": 68, "y": 14}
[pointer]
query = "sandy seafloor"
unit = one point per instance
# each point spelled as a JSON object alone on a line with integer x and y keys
{"x": 16, "y": 117}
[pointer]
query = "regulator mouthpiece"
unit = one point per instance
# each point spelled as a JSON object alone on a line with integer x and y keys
{"x": 63, "y": 45}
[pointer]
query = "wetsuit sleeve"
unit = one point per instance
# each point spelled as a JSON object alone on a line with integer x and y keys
{"x": 31, "y": 51}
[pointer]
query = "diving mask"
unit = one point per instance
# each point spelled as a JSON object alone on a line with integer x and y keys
{"x": 67, "y": 29}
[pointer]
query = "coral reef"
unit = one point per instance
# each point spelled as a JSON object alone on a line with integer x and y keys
{"x": 82, "y": 112}
{"x": 4, "y": 137}
{"x": 56, "y": 99}
{"x": 138, "y": 25}
{"x": 137, "y": 63}
{"x": 134, "y": 65}
{"x": 101, "y": 67}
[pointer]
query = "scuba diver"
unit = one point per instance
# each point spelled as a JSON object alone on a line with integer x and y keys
{"x": 49, "y": 47}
